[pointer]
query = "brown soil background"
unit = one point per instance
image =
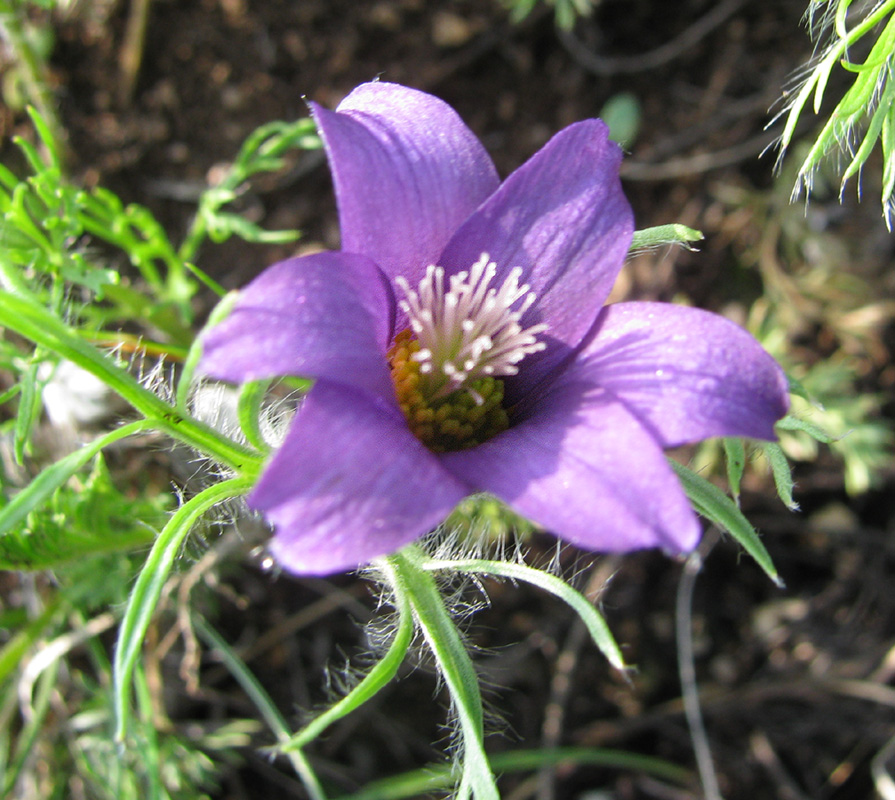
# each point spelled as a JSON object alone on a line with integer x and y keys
{"x": 796, "y": 683}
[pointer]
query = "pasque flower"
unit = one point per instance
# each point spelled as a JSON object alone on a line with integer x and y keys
{"x": 459, "y": 343}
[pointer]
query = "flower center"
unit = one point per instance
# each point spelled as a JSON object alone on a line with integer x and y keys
{"x": 462, "y": 339}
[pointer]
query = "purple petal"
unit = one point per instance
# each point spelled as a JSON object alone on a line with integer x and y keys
{"x": 407, "y": 172}
{"x": 584, "y": 468}
{"x": 350, "y": 483}
{"x": 321, "y": 316}
{"x": 686, "y": 374}
{"x": 562, "y": 218}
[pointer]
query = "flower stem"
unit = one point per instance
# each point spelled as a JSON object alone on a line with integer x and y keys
{"x": 409, "y": 579}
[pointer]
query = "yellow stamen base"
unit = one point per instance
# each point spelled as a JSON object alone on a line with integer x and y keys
{"x": 467, "y": 417}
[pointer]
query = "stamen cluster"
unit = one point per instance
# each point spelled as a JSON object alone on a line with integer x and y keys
{"x": 462, "y": 338}
{"x": 470, "y": 330}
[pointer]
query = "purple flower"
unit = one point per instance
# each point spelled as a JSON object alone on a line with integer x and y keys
{"x": 498, "y": 370}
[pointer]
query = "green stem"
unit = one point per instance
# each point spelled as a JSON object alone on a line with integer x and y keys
{"x": 195, "y": 236}
{"x": 437, "y": 778}
{"x": 31, "y": 320}
{"x": 408, "y": 577}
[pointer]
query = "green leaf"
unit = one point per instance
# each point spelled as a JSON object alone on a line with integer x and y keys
{"x": 50, "y": 479}
{"x": 709, "y": 501}
{"x": 147, "y": 590}
{"x": 373, "y": 682}
{"x": 409, "y": 578}
{"x": 735, "y": 459}
{"x": 782, "y": 473}
{"x": 589, "y": 615}
{"x": 79, "y": 521}
{"x": 663, "y": 235}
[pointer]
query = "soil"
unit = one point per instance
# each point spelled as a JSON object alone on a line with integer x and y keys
{"x": 796, "y": 683}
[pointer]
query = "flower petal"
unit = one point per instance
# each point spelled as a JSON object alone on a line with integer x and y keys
{"x": 686, "y": 374}
{"x": 321, "y": 316}
{"x": 562, "y": 218}
{"x": 584, "y": 468}
{"x": 407, "y": 172}
{"x": 350, "y": 483}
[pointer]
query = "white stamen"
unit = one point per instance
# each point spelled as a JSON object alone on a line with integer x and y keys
{"x": 472, "y": 324}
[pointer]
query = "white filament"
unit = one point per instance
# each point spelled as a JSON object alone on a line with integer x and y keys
{"x": 471, "y": 330}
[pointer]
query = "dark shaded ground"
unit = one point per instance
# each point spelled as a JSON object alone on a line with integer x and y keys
{"x": 796, "y": 683}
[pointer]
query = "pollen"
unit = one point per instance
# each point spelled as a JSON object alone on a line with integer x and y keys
{"x": 467, "y": 417}
{"x": 464, "y": 336}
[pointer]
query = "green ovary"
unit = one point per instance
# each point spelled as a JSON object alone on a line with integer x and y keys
{"x": 467, "y": 417}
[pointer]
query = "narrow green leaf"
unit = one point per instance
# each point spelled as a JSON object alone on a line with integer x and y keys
{"x": 440, "y": 778}
{"x": 50, "y": 479}
{"x": 873, "y": 132}
{"x": 792, "y": 423}
{"x": 822, "y": 73}
{"x": 13, "y": 650}
{"x": 46, "y": 689}
{"x": 145, "y": 594}
{"x": 27, "y": 412}
{"x": 11, "y": 392}
{"x": 37, "y": 164}
{"x": 408, "y": 577}
{"x": 709, "y": 501}
{"x": 782, "y": 473}
{"x": 839, "y": 19}
{"x": 46, "y": 136}
{"x": 735, "y": 459}
{"x": 8, "y": 179}
{"x": 375, "y": 680}
{"x": 887, "y": 137}
{"x": 663, "y": 235}
{"x": 224, "y": 224}
{"x": 592, "y": 618}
